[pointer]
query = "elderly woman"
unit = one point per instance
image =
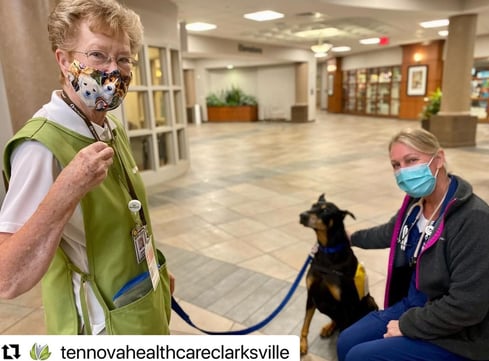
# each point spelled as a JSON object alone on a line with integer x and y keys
{"x": 436, "y": 300}
{"x": 76, "y": 213}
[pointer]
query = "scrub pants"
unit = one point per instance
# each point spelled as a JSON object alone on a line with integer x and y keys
{"x": 364, "y": 341}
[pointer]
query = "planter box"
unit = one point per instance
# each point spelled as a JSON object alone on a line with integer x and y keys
{"x": 452, "y": 130}
{"x": 245, "y": 113}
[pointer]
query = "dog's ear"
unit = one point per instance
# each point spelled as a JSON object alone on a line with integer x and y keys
{"x": 321, "y": 198}
{"x": 345, "y": 213}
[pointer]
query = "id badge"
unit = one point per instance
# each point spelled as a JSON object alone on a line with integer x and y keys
{"x": 139, "y": 236}
{"x": 145, "y": 251}
{"x": 152, "y": 263}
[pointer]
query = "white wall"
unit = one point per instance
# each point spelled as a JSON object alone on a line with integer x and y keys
{"x": 323, "y": 86}
{"x": 230, "y": 49}
{"x": 385, "y": 57}
{"x": 481, "y": 47}
{"x": 273, "y": 86}
{"x": 276, "y": 91}
{"x": 160, "y": 21}
{"x": 224, "y": 79}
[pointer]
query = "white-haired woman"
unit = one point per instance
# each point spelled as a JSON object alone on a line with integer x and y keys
{"x": 76, "y": 213}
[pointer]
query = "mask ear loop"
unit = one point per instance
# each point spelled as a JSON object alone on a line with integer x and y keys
{"x": 429, "y": 163}
{"x": 433, "y": 157}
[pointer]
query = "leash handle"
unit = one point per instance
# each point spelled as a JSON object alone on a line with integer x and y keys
{"x": 184, "y": 316}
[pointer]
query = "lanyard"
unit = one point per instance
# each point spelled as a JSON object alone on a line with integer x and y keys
{"x": 130, "y": 186}
{"x": 402, "y": 238}
{"x": 427, "y": 231}
{"x": 82, "y": 115}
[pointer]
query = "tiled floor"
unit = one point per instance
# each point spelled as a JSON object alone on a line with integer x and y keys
{"x": 230, "y": 230}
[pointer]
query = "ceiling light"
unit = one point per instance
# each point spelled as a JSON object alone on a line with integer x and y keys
{"x": 318, "y": 33}
{"x": 200, "y": 26}
{"x": 434, "y": 23}
{"x": 321, "y": 48}
{"x": 369, "y": 41}
{"x": 340, "y": 49}
{"x": 320, "y": 55}
{"x": 443, "y": 33}
{"x": 230, "y": 66}
{"x": 264, "y": 15}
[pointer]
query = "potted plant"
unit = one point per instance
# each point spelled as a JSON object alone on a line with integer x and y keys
{"x": 431, "y": 107}
{"x": 231, "y": 105}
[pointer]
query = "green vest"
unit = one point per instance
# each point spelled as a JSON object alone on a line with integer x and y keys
{"x": 110, "y": 249}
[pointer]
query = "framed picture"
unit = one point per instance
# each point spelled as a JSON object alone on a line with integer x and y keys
{"x": 416, "y": 81}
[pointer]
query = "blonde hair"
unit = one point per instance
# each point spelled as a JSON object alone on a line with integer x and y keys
{"x": 103, "y": 16}
{"x": 418, "y": 139}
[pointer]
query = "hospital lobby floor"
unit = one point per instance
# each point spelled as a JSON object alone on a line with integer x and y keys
{"x": 230, "y": 229}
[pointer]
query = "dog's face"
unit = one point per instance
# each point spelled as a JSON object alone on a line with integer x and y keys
{"x": 88, "y": 89}
{"x": 324, "y": 216}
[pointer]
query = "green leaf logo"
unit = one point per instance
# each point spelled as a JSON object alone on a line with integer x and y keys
{"x": 39, "y": 352}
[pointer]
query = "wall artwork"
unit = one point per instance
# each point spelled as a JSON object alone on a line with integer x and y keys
{"x": 416, "y": 81}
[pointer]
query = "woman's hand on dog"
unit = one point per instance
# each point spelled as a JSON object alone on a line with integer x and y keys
{"x": 393, "y": 329}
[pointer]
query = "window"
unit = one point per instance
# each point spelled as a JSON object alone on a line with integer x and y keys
{"x": 153, "y": 111}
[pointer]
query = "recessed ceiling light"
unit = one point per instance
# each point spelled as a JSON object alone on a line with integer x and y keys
{"x": 318, "y": 33}
{"x": 434, "y": 23}
{"x": 443, "y": 33}
{"x": 264, "y": 15}
{"x": 340, "y": 49}
{"x": 200, "y": 26}
{"x": 369, "y": 41}
{"x": 230, "y": 66}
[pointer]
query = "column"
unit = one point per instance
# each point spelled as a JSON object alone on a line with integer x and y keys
{"x": 193, "y": 109}
{"x": 299, "y": 111}
{"x": 453, "y": 125}
{"x": 29, "y": 68}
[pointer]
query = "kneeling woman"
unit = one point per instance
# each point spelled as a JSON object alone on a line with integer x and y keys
{"x": 436, "y": 300}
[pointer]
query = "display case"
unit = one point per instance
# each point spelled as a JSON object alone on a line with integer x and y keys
{"x": 480, "y": 94}
{"x": 373, "y": 91}
{"x": 349, "y": 88}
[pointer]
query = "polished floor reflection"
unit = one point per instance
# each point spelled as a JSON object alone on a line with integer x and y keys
{"x": 230, "y": 226}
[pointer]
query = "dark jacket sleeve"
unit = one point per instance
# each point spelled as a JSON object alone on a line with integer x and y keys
{"x": 454, "y": 274}
{"x": 374, "y": 238}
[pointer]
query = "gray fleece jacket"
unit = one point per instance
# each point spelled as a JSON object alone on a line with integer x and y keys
{"x": 452, "y": 270}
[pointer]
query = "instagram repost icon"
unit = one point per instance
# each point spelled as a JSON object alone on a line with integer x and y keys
{"x": 39, "y": 352}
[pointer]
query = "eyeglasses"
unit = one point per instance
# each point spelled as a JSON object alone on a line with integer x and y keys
{"x": 99, "y": 57}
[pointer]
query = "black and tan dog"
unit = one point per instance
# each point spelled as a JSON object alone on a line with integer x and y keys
{"x": 336, "y": 281}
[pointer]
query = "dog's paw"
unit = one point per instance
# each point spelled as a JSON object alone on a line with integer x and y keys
{"x": 328, "y": 329}
{"x": 303, "y": 345}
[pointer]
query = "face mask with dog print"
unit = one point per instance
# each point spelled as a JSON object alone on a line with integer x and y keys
{"x": 99, "y": 90}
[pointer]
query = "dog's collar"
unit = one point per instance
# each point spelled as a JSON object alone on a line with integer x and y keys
{"x": 330, "y": 250}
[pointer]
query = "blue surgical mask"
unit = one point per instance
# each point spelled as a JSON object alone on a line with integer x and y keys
{"x": 417, "y": 180}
